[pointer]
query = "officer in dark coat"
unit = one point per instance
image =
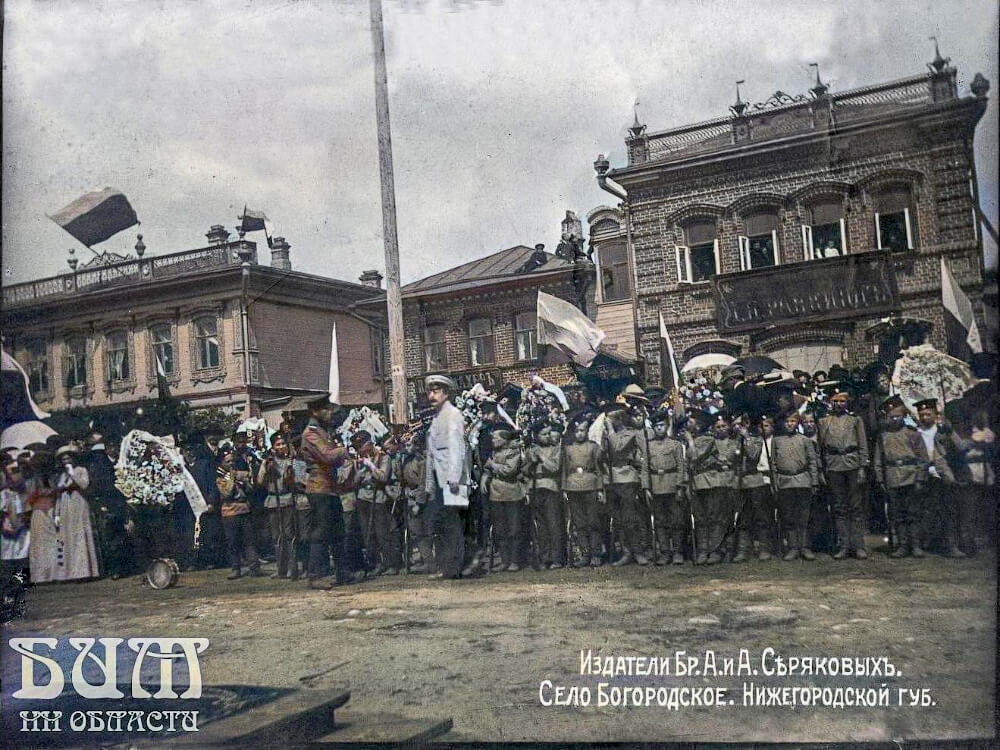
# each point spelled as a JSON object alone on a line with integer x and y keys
{"x": 108, "y": 504}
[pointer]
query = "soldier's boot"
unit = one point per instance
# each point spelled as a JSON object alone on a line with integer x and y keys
{"x": 900, "y": 535}
{"x": 764, "y": 547}
{"x": 915, "y": 547}
{"x": 677, "y": 545}
{"x": 662, "y": 546}
{"x": 792, "y": 537}
{"x": 715, "y": 551}
{"x": 843, "y": 538}
{"x": 951, "y": 546}
{"x": 701, "y": 545}
{"x": 742, "y": 546}
{"x": 805, "y": 548}
{"x": 858, "y": 539}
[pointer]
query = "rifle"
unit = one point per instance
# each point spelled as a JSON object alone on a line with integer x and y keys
{"x": 649, "y": 491}
{"x": 887, "y": 504}
{"x": 739, "y": 491}
{"x": 536, "y": 563}
{"x": 774, "y": 492}
{"x": 822, "y": 465}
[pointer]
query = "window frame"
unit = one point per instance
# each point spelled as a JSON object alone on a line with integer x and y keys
{"x": 126, "y": 372}
{"x": 73, "y": 359}
{"x": 443, "y": 343}
{"x": 488, "y": 339}
{"x": 33, "y": 359}
{"x": 808, "y": 246}
{"x": 532, "y": 338}
{"x": 744, "y": 247}
{"x": 619, "y": 271}
{"x": 199, "y": 338}
{"x": 155, "y": 346}
{"x": 907, "y": 225}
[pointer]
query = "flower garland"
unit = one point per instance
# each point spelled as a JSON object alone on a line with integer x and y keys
{"x": 539, "y": 405}
{"x": 148, "y": 473}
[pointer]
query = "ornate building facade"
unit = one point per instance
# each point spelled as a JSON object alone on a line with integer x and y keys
{"x": 808, "y": 228}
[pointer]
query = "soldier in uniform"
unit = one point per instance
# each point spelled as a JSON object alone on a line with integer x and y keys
{"x": 583, "y": 483}
{"x": 413, "y": 480}
{"x": 797, "y": 478}
{"x": 938, "y": 503}
{"x": 544, "y": 465}
{"x": 900, "y": 467}
{"x": 374, "y": 506}
{"x": 502, "y": 475}
{"x": 627, "y": 511}
{"x": 712, "y": 457}
{"x": 843, "y": 447}
{"x": 447, "y": 469}
{"x": 665, "y": 464}
{"x": 326, "y": 523}
{"x": 754, "y": 496}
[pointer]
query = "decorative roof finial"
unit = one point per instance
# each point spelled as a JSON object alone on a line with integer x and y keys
{"x": 940, "y": 63}
{"x": 820, "y": 88}
{"x": 740, "y": 106}
{"x": 140, "y": 246}
{"x": 637, "y": 128}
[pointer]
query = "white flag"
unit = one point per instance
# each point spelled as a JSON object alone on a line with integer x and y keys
{"x": 562, "y": 325}
{"x": 670, "y": 353}
{"x": 957, "y": 303}
{"x": 333, "y": 383}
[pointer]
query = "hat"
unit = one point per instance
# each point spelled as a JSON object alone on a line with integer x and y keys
{"x": 837, "y": 390}
{"x": 360, "y": 438}
{"x": 658, "y": 416}
{"x": 893, "y": 402}
{"x": 701, "y": 417}
{"x": 319, "y": 402}
{"x": 68, "y": 449}
{"x": 800, "y": 374}
{"x": 442, "y": 381}
{"x": 927, "y": 403}
{"x": 819, "y": 373}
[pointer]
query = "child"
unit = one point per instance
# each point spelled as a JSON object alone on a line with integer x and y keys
{"x": 797, "y": 478}
{"x": 666, "y": 475}
{"x": 711, "y": 458}
{"x": 544, "y": 465}
{"x": 583, "y": 483}
{"x": 506, "y": 497}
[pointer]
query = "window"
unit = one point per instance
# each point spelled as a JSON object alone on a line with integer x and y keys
{"x": 435, "y": 352}
{"x": 118, "y": 364}
{"x": 759, "y": 246}
{"x": 76, "y": 363}
{"x": 893, "y": 227}
{"x": 480, "y": 342}
{"x": 163, "y": 348}
{"x": 699, "y": 259}
{"x": 38, "y": 367}
{"x": 378, "y": 351}
{"x": 825, "y": 236}
{"x": 525, "y": 341}
{"x": 206, "y": 334}
{"x": 614, "y": 273}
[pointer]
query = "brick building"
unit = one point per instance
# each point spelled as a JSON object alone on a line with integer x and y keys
{"x": 796, "y": 226}
{"x": 476, "y": 322}
{"x": 92, "y": 337}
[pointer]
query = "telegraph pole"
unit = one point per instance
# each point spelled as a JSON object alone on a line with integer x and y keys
{"x": 393, "y": 296}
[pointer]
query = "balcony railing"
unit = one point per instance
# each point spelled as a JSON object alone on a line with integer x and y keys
{"x": 126, "y": 272}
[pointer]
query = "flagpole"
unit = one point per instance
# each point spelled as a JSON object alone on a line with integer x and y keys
{"x": 393, "y": 295}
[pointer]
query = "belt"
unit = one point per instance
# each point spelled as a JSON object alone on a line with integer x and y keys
{"x": 842, "y": 451}
{"x": 660, "y": 472}
{"x": 791, "y": 473}
{"x": 906, "y": 462}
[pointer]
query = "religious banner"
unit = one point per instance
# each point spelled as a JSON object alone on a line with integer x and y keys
{"x": 816, "y": 290}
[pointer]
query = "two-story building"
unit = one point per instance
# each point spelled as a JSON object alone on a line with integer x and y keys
{"x": 96, "y": 335}
{"x": 796, "y": 226}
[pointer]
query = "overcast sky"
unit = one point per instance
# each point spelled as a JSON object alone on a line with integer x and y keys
{"x": 195, "y": 108}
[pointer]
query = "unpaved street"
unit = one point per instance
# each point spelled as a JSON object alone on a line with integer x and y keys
{"x": 477, "y": 650}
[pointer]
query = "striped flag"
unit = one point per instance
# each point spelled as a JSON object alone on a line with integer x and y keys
{"x": 96, "y": 216}
{"x": 671, "y": 357}
{"x": 562, "y": 325}
{"x": 16, "y": 404}
{"x": 957, "y": 303}
{"x": 256, "y": 221}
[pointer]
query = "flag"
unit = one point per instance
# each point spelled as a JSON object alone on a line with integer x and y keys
{"x": 96, "y": 216}
{"x": 562, "y": 325}
{"x": 672, "y": 359}
{"x": 162, "y": 386}
{"x": 256, "y": 221}
{"x": 957, "y": 303}
{"x": 333, "y": 382}
{"x": 16, "y": 404}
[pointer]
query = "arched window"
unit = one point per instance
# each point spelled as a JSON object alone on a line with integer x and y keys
{"x": 759, "y": 246}
{"x": 163, "y": 348}
{"x": 206, "y": 334}
{"x": 698, "y": 259}
{"x": 119, "y": 367}
{"x": 894, "y": 218}
{"x": 825, "y": 236}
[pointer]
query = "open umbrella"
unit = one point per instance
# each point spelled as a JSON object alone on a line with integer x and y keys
{"x": 758, "y": 365}
{"x": 704, "y": 361}
{"x": 25, "y": 433}
{"x": 981, "y": 397}
{"x": 923, "y": 372}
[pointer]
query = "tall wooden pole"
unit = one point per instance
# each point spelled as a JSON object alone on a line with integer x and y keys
{"x": 393, "y": 296}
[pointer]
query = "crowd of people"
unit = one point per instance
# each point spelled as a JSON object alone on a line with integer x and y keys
{"x": 716, "y": 472}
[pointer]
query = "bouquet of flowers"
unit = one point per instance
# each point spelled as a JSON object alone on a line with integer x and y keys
{"x": 542, "y": 402}
{"x": 701, "y": 393}
{"x": 148, "y": 472}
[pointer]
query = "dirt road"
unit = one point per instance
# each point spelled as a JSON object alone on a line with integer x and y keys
{"x": 477, "y": 650}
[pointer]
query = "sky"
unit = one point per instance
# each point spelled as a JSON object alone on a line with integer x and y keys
{"x": 195, "y": 108}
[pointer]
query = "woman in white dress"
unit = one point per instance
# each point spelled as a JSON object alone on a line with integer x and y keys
{"x": 62, "y": 537}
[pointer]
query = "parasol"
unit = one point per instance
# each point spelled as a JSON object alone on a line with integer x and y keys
{"x": 25, "y": 433}
{"x": 923, "y": 372}
{"x": 758, "y": 365}
{"x": 705, "y": 361}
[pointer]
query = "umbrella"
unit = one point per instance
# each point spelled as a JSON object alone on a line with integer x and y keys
{"x": 758, "y": 365}
{"x": 25, "y": 433}
{"x": 923, "y": 372}
{"x": 703, "y": 361}
{"x": 981, "y": 397}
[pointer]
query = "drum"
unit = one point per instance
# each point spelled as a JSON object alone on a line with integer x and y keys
{"x": 162, "y": 573}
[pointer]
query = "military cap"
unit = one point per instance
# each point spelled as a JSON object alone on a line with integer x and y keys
{"x": 800, "y": 374}
{"x": 441, "y": 381}
{"x": 584, "y": 416}
{"x": 893, "y": 402}
{"x": 927, "y": 403}
{"x": 837, "y": 390}
{"x": 361, "y": 437}
{"x": 319, "y": 402}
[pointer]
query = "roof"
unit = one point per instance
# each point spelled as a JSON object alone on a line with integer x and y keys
{"x": 503, "y": 265}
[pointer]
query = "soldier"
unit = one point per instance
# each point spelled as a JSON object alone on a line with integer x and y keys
{"x": 843, "y": 448}
{"x": 712, "y": 457}
{"x": 942, "y": 450}
{"x": 583, "y": 484}
{"x": 900, "y": 467}
{"x": 544, "y": 465}
{"x": 797, "y": 480}
{"x": 754, "y": 503}
{"x": 276, "y": 476}
{"x": 326, "y": 522}
{"x": 627, "y": 510}
{"x": 233, "y": 485}
{"x": 503, "y": 470}
{"x": 374, "y": 506}
{"x": 413, "y": 467}
{"x": 666, "y": 475}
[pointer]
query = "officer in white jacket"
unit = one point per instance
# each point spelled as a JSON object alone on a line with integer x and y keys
{"x": 447, "y": 477}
